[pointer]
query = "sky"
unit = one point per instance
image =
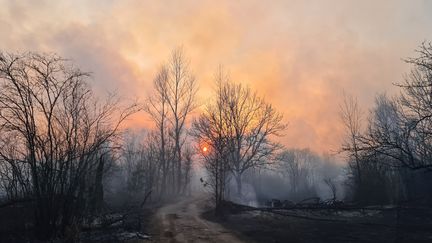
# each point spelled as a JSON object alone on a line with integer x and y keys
{"x": 301, "y": 55}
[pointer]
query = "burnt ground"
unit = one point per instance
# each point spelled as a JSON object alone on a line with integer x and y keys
{"x": 190, "y": 219}
{"x": 120, "y": 224}
{"x": 414, "y": 225}
{"x": 16, "y": 223}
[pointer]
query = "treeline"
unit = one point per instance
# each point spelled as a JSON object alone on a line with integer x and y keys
{"x": 62, "y": 149}
{"x": 390, "y": 159}
{"x": 297, "y": 174}
{"x": 55, "y": 139}
{"x": 136, "y": 174}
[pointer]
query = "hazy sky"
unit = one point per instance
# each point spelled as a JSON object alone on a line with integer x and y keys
{"x": 299, "y": 54}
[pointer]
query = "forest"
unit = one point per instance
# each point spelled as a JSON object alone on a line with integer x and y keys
{"x": 71, "y": 171}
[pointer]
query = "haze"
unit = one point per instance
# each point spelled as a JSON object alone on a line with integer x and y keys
{"x": 300, "y": 55}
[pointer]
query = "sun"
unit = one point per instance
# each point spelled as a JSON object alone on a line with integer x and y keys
{"x": 204, "y": 149}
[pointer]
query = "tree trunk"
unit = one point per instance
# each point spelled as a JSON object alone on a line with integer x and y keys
{"x": 97, "y": 201}
{"x": 239, "y": 184}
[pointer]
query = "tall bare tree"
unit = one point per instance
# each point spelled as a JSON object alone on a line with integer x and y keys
{"x": 180, "y": 97}
{"x": 246, "y": 124}
{"x": 170, "y": 105}
{"x": 351, "y": 116}
{"x": 210, "y": 132}
{"x": 157, "y": 108}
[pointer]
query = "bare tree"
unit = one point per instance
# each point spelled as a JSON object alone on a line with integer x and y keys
{"x": 59, "y": 128}
{"x": 210, "y": 133}
{"x": 250, "y": 124}
{"x": 299, "y": 166}
{"x": 15, "y": 175}
{"x": 386, "y": 131}
{"x": 245, "y": 124}
{"x": 169, "y": 107}
{"x": 416, "y": 102}
{"x": 157, "y": 108}
{"x": 141, "y": 165}
{"x": 187, "y": 169}
{"x": 351, "y": 116}
{"x": 400, "y": 129}
{"x": 180, "y": 95}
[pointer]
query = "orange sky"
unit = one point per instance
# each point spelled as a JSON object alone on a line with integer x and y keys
{"x": 299, "y": 54}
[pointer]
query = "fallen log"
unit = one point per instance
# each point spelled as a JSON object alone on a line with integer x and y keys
{"x": 304, "y": 217}
{"x": 285, "y": 211}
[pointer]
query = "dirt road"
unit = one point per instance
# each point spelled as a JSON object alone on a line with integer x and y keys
{"x": 182, "y": 222}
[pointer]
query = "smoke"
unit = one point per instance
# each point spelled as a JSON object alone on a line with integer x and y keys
{"x": 277, "y": 182}
{"x": 248, "y": 194}
{"x": 299, "y": 55}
